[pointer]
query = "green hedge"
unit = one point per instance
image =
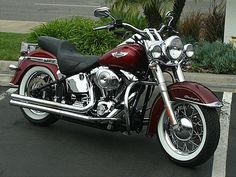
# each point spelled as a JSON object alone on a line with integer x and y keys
{"x": 214, "y": 57}
{"x": 79, "y": 31}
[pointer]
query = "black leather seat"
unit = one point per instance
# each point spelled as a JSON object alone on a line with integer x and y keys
{"x": 70, "y": 62}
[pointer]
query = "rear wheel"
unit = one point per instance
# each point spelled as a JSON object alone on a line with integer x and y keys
{"x": 197, "y": 137}
{"x": 35, "y": 78}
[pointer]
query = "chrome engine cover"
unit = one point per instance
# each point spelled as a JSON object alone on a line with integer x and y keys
{"x": 81, "y": 91}
{"x": 107, "y": 79}
{"x": 78, "y": 83}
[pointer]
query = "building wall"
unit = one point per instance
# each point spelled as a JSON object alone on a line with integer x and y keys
{"x": 230, "y": 20}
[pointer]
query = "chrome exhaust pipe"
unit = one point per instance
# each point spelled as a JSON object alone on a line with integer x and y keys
{"x": 31, "y": 105}
{"x": 47, "y": 103}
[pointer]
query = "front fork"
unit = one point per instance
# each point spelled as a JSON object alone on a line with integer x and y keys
{"x": 159, "y": 78}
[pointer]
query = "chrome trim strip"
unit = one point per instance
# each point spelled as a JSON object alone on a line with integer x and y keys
{"x": 216, "y": 104}
{"x": 43, "y": 60}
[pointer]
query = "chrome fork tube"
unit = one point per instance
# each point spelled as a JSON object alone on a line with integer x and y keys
{"x": 158, "y": 75}
{"x": 180, "y": 73}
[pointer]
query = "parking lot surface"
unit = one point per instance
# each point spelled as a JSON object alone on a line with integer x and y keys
{"x": 67, "y": 149}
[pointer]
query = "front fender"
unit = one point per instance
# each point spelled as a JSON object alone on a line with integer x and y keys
{"x": 187, "y": 91}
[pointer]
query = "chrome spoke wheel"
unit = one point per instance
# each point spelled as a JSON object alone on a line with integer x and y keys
{"x": 186, "y": 139}
{"x": 37, "y": 80}
{"x": 186, "y": 142}
{"x": 34, "y": 78}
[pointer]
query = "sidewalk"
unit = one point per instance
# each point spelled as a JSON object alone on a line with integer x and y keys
{"x": 17, "y": 26}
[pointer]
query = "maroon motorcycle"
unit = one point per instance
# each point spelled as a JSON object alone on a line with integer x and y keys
{"x": 111, "y": 92}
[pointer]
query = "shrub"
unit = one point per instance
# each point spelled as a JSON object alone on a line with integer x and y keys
{"x": 129, "y": 15}
{"x": 209, "y": 26}
{"x": 192, "y": 25}
{"x": 214, "y": 57}
{"x": 80, "y": 32}
{"x": 214, "y": 22}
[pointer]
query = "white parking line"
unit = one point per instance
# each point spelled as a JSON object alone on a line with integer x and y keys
{"x": 8, "y": 92}
{"x": 65, "y": 5}
{"x": 220, "y": 156}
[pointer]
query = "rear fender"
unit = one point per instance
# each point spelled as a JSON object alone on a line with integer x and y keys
{"x": 38, "y": 57}
{"x": 186, "y": 91}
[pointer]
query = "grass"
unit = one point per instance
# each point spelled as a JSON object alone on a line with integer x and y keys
{"x": 10, "y": 45}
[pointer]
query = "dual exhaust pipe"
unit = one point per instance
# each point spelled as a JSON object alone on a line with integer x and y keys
{"x": 57, "y": 108}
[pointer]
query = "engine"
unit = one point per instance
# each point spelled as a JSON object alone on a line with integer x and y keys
{"x": 108, "y": 83}
{"x": 100, "y": 89}
{"x": 107, "y": 79}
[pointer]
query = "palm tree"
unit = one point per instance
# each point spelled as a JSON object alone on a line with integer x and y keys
{"x": 153, "y": 10}
{"x": 177, "y": 10}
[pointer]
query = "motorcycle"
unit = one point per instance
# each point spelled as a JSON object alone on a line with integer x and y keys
{"x": 111, "y": 92}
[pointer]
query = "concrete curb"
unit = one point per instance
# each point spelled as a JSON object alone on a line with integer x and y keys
{"x": 216, "y": 82}
{"x": 5, "y": 73}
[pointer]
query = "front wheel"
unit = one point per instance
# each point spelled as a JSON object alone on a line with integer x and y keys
{"x": 197, "y": 137}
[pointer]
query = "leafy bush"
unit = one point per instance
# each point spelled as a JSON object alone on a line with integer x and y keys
{"x": 129, "y": 15}
{"x": 214, "y": 57}
{"x": 214, "y": 22}
{"x": 208, "y": 26}
{"x": 192, "y": 25}
{"x": 80, "y": 32}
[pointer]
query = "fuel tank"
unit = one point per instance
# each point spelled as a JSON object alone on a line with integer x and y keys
{"x": 128, "y": 57}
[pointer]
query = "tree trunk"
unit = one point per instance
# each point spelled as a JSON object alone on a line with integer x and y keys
{"x": 177, "y": 10}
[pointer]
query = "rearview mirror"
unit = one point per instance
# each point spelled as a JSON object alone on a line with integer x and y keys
{"x": 169, "y": 14}
{"x": 102, "y": 12}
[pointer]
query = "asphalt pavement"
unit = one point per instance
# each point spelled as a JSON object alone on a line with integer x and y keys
{"x": 66, "y": 149}
{"x": 46, "y": 10}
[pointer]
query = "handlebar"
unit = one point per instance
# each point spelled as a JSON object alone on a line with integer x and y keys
{"x": 119, "y": 24}
{"x": 109, "y": 26}
{"x": 168, "y": 28}
{"x": 132, "y": 28}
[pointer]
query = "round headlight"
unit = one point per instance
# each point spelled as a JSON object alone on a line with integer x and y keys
{"x": 174, "y": 47}
{"x": 155, "y": 51}
{"x": 188, "y": 49}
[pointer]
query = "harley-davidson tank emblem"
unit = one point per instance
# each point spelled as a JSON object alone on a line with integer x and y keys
{"x": 119, "y": 54}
